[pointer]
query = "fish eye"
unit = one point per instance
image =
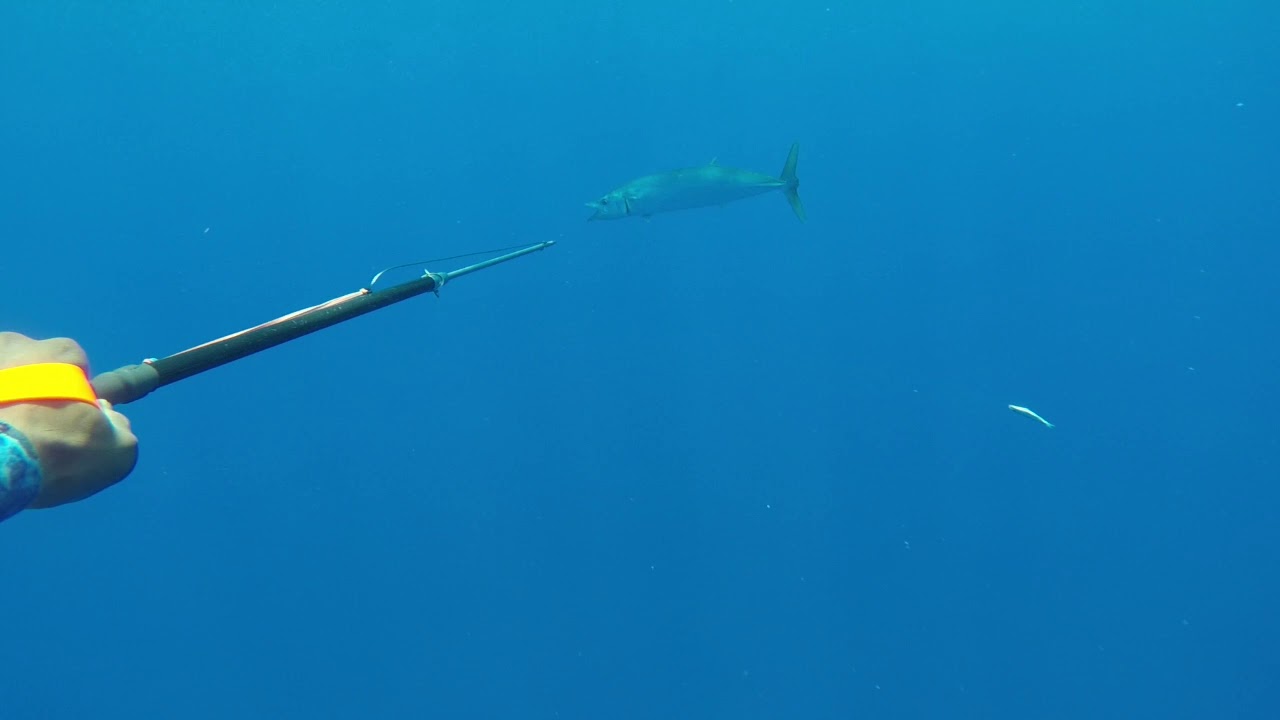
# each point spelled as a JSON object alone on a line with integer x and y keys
{"x": 604, "y": 201}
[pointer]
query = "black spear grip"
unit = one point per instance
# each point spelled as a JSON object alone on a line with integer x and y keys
{"x": 126, "y": 384}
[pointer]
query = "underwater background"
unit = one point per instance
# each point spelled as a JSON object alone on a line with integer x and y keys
{"x": 717, "y": 464}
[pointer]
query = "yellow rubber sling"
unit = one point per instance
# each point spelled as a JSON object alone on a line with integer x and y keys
{"x": 45, "y": 381}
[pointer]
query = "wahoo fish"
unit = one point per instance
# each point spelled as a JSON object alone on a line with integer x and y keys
{"x": 697, "y": 187}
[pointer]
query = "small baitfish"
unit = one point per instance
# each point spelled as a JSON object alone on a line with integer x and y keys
{"x": 697, "y": 187}
{"x": 1031, "y": 414}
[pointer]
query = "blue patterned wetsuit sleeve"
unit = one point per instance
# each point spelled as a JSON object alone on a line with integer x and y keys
{"x": 19, "y": 472}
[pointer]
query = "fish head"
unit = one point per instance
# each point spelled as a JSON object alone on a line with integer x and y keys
{"x": 611, "y": 207}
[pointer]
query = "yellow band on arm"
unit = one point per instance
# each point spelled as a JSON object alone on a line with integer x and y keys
{"x": 45, "y": 381}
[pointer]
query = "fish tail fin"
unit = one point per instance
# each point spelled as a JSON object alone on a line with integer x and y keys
{"x": 790, "y": 190}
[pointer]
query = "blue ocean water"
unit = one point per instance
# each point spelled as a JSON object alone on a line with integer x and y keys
{"x": 720, "y": 464}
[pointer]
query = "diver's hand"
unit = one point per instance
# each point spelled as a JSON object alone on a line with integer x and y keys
{"x": 82, "y": 448}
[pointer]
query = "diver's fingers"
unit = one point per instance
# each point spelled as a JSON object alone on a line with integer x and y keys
{"x": 118, "y": 421}
{"x": 118, "y": 463}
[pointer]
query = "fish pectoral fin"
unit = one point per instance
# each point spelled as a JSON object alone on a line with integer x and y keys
{"x": 629, "y": 202}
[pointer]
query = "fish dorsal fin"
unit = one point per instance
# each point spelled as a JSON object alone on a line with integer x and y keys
{"x": 713, "y": 160}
